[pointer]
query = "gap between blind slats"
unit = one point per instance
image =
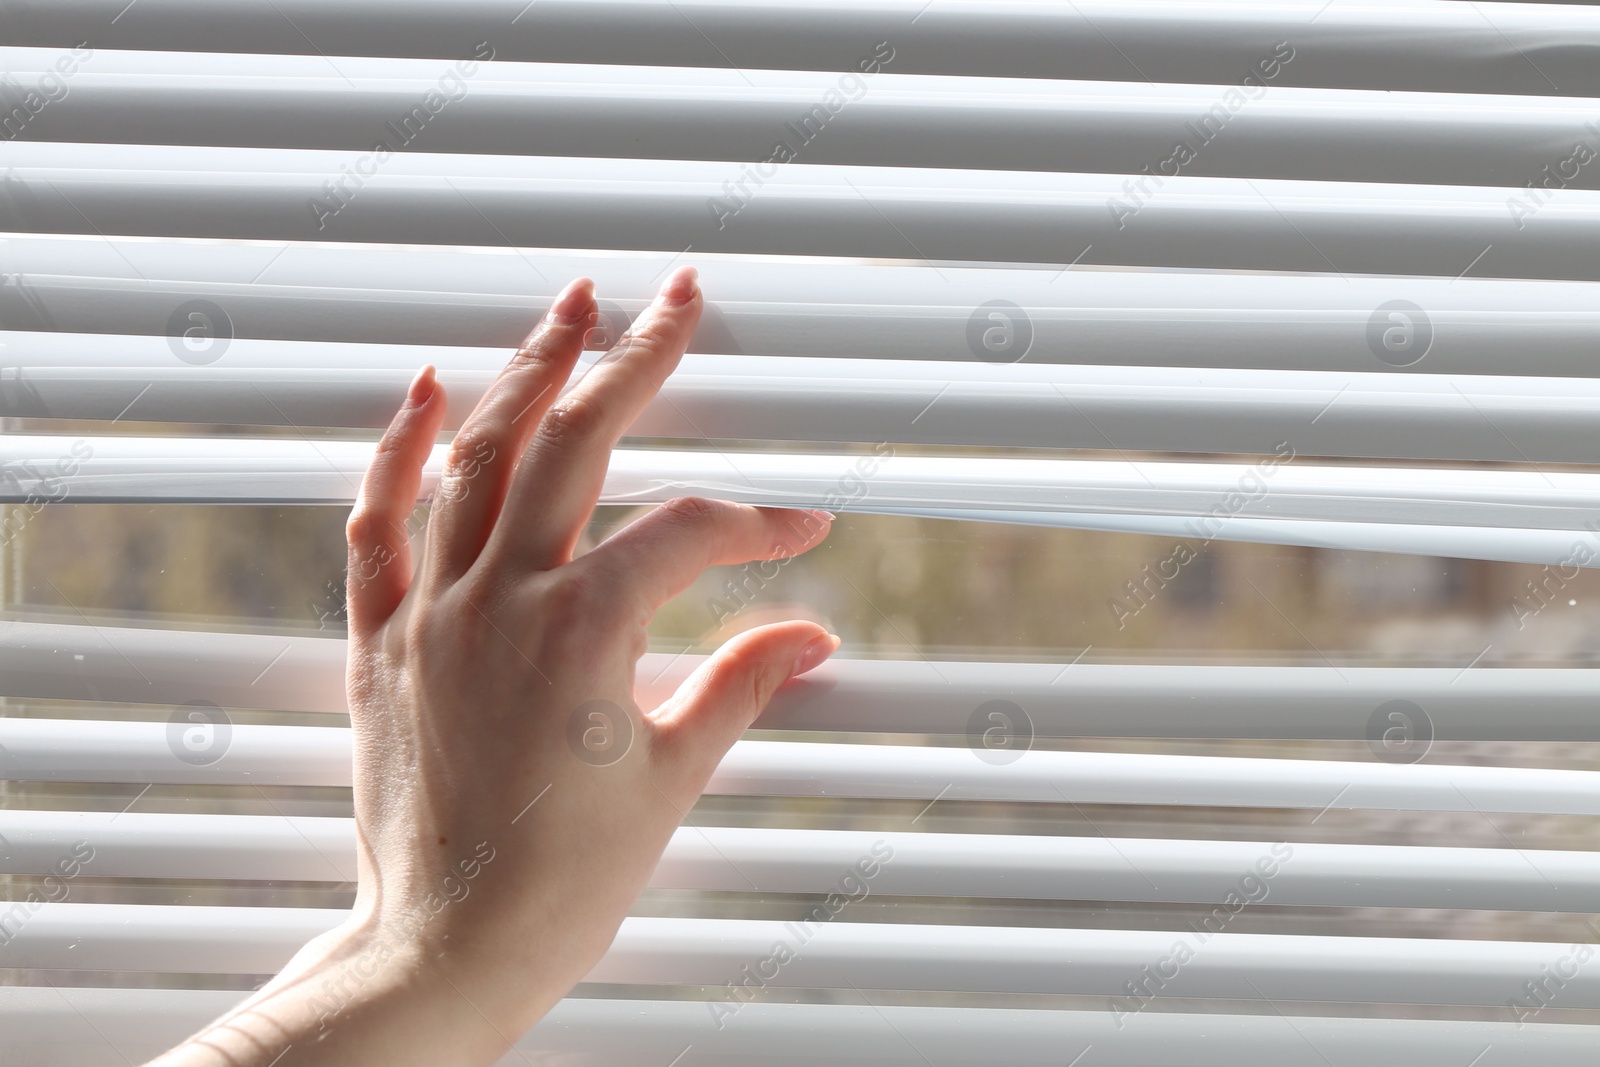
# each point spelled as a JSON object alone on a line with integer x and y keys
{"x": 279, "y": 469}
{"x": 802, "y": 306}
{"x": 1516, "y": 515}
{"x": 80, "y": 750}
{"x": 777, "y": 860}
{"x": 805, "y": 209}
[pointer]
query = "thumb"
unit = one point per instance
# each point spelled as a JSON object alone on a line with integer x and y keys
{"x": 714, "y": 705}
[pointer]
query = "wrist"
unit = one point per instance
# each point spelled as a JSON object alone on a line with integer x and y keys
{"x": 449, "y": 966}
{"x": 363, "y": 993}
{"x": 358, "y": 960}
{"x": 509, "y": 948}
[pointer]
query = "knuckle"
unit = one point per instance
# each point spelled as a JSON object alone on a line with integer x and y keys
{"x": 390, "y": 446}
{"x": 472, "y": 447}
{"x": 588, "y": 605}
{"x": 359, "y": 527}
{"x": 650, "y": 333}
{"x": 570, "y": 420}
{"x": 765, "y": 679}
{"x": 579, "y": 615}
{"x": 469, "y": 614}
{"x": 759, "y": 692}
{"x": 477, "y": 597}
{"x": 745, "y": 683}
{"x": 538, "y": 353}
{"x": 694, "y": 511}
{"x": 471, "y": 451}
{"x": 580, "y": 594}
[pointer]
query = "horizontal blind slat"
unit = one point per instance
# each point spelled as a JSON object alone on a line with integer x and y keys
{"x": 240, "y": 670}
{"x": 711, "y": 952}
{"x": 135, "y": 664}
{"x": 887, "y": 118}
{"x": 86, "y": 750}
{"x": 1414, "y": 44}
{"x": 796, "y": 305}
{"x": 776, "y": 398}
{"x": 805, "y": 209}
{"x": 778, "y": 860}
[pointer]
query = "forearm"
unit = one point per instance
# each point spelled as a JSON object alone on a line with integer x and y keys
{"x": 355, "y": 996}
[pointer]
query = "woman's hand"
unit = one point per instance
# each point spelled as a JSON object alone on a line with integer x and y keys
{"x": 511, "y": 799}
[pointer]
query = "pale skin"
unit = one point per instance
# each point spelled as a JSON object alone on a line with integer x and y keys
{"x": 495, "y": 864}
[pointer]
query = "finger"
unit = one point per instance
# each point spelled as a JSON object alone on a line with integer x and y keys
{"x": 560, "y": 476}
{"x": 662, "y": 553}
{"x": 379, "y": 564}
{"x": 483, "y": 456}
{"x": 719, "y": 701}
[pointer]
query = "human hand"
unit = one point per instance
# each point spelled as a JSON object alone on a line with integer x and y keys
{"x": 499, "y": 850}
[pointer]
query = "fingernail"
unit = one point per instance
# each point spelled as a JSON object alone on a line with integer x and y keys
{"x": 679, "y": 289}
{"x": 825, "y": 516}
{"x": 421, "y": 386}
{"x": 571, "y": 305}
{"x": 816, "y": 650}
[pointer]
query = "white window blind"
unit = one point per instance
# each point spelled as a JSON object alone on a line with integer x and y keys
{"x": 1150, "y": 280}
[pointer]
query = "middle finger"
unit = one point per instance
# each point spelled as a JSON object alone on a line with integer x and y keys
{"x": 560, "y": 477}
